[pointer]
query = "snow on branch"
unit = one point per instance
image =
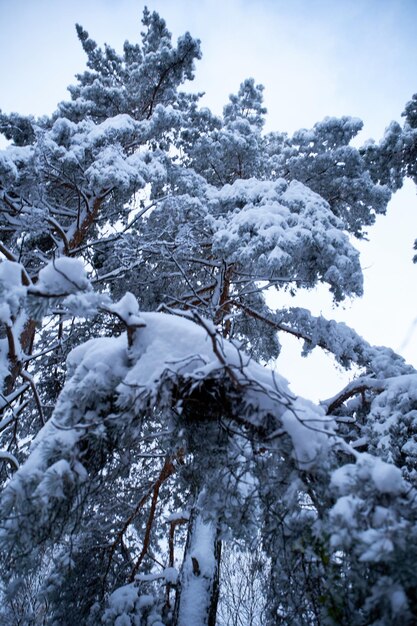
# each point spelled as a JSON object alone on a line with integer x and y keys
{"x": 169, "y": 360}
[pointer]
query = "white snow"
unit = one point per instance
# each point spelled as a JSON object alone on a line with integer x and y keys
{"x": 11, "y": 289}
{"x": 387, "y": 477}
{"x": 376, "y": 545}
{"x": 178, "y": 515}
{"x": 398, "y": 598}
{"x": 285, "y": 228}
{"x": 127, "y": 309}
{"x": 124, "y": 599}
{"x": 197, "y": 575}
{"x": 171, "y": 575}
{"x": 62, "y": 276}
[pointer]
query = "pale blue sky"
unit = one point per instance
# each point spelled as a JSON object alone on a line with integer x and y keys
{"x": 315, "y": 58}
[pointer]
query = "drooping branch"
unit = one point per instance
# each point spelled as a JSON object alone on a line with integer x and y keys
{"x": 359, "y": 386}
{"x": 274, "y": 324}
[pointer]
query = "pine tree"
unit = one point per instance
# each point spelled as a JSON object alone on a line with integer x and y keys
{"x": 140, "y": 426}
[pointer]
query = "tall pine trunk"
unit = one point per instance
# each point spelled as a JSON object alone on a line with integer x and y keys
{"x": 198, "y": 588}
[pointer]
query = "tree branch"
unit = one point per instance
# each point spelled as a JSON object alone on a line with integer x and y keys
{"x": 354, "y": 388}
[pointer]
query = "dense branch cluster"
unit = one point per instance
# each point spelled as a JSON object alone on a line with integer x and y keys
{"x": 145, "y": 448}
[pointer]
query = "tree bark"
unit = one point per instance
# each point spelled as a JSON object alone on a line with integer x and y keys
{"x": 198, "y": 587}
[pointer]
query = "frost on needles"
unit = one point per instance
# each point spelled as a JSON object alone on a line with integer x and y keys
{"x": 146, "y": 447}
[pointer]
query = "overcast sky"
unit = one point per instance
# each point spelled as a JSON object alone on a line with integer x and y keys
{"x": 315, "y": 58}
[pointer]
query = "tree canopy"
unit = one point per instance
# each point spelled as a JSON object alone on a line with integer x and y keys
{"x": 146, "y": 427}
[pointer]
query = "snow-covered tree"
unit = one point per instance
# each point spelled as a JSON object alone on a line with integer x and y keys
{"x": 140, "y": 427}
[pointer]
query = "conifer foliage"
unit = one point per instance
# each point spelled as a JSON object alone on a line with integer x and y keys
{"x": 140, "y": 429}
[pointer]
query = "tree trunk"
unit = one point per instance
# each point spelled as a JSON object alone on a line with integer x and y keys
{"x": 198, "y": 588}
